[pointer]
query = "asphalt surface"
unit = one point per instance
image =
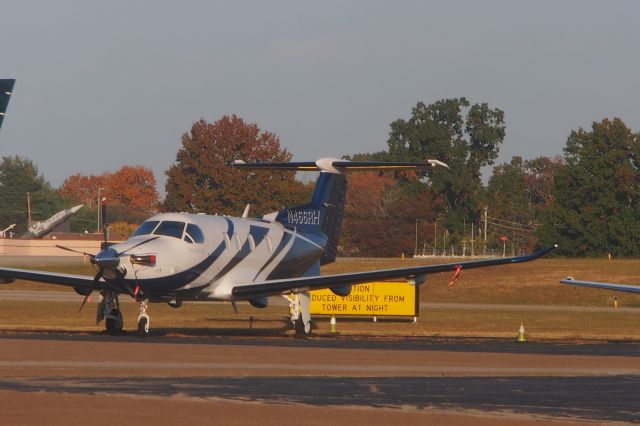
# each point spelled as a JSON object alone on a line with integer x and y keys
{"x": 549, "y": 381}
{"x": 592, "y": 398}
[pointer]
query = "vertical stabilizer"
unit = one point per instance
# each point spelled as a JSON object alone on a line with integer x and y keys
{"x": 323, "y": 214}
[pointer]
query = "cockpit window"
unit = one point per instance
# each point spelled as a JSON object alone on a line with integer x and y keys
{"x": 146, "y": 228}
{"x": 195, "y": 233}
{"x": 170, "y": 228}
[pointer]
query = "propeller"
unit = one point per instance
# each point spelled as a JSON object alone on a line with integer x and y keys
{"x": 108, "y": 258}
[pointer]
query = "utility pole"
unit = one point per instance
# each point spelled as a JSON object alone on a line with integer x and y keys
{"x": 28, "y": 210}
{"x": 98, "y": 204}
{"x": 415, "y": 248}
{"x": 435, "y": 235}
{"x": 486, "y": 208}
{"x": 472, "y": 240}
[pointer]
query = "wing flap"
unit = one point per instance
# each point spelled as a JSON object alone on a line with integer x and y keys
{"x": 416, "y": 274}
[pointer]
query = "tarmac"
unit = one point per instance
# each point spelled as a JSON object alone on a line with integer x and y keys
{"x": 75, "y": 378}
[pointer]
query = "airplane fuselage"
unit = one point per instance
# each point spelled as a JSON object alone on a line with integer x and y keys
{"x": 202, "y": 257}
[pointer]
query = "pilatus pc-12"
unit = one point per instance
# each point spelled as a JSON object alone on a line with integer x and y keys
{"x": 176, "y": 257}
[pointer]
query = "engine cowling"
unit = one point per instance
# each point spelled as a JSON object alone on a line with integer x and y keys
{"x": 341, "y": 291}
{"x": 259, "y": 302}
{"x": 82, "y": 291}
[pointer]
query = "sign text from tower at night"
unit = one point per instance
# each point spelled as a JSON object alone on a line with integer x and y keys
{"x": 369, "y": 299}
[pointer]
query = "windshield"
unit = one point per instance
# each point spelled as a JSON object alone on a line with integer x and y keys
{"x": 194, "y": 233}
{"x": 170, "y": 228}
{"x": 146, "y": 228}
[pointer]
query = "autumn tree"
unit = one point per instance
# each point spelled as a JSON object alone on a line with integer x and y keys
{"x": 135, "y": 187}
{"x": 596, "y": 194}
{"x": 83, "y": 189}
{"x": 131, "y": 193}
{"x": 201, "y": 180}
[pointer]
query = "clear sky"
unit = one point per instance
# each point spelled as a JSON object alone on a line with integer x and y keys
{"x": 104, "y": 84}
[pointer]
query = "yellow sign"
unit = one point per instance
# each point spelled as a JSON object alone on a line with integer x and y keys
{"x": 375, "y": 298}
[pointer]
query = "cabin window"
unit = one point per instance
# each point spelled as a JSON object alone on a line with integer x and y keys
{"x": 170, "y": 228}
{"x": 195, "y": 233}
{"x": 146, "y": 228}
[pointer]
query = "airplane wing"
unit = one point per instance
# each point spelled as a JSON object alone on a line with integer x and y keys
{"x": 609, "y": 286}
{"x": 80, "y": 282}
{"x": 415, "y": 275}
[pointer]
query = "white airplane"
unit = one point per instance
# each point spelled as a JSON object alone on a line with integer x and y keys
{"x": 176, "y": 257}
{"x": 609, "y": 286}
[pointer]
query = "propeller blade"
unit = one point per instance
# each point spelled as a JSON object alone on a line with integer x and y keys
{"x": 93, "y": 287}
{"x": 75, "y": 251}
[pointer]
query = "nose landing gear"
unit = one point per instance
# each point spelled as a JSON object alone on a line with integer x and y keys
{"x": 143, "y": 318}
{"x": 109, "y": 310}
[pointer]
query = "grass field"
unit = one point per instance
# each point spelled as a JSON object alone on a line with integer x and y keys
{"x": 534, "y": 283}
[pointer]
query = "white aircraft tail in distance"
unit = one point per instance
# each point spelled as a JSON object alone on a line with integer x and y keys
{"x": 176, "y": 257}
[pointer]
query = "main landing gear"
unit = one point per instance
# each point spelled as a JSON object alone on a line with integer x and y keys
{"x": 109, "y": 310}
{"x": 300, "y": 315}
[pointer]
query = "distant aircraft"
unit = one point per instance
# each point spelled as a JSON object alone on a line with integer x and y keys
{"x": 608, "y": 286}
{"x": 42, "y": 228}
{"x": 6, "y": 89}
{"x": 176, "y": 257}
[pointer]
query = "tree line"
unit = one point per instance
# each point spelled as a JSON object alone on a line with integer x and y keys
{"x": 586, "y": 199}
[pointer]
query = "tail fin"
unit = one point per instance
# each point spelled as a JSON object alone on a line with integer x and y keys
{"x": 6, "y": 89}
{"x": 324, "y": 214}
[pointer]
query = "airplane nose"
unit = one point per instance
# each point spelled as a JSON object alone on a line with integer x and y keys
{"x": 107, "y": 259}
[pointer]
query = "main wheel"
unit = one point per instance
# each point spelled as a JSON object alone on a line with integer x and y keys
{"x": 143, "y": 325}
{"x": 299, "y": 328}
{"x": 113, "y": 322}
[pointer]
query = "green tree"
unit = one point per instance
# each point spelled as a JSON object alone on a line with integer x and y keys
{"x": 19, "y": 176}
{"x": 596, "y": 194}
{"x": 200, "y": 177}
{"x": 466, "y": 142}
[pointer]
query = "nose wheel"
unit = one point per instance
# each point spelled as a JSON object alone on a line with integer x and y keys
{"x": 109, "y": 310}
{"x": 143, "y": 318}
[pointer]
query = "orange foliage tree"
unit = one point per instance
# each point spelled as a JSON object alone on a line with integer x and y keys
{"x": 130, "y": 186}
{"x": 201, "y": 179}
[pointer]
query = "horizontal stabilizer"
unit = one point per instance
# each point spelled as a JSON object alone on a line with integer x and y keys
{"x": 334, "y": 165}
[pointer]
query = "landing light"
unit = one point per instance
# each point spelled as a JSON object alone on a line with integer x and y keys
{"x": 145, "y": 259}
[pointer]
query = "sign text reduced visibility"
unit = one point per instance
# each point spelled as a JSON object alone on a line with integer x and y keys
{"x": 376, "y": 298}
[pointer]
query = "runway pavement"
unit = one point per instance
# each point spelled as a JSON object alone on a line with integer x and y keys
{"x": 413, "y": 380}
{"x": 71, "y": 296}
